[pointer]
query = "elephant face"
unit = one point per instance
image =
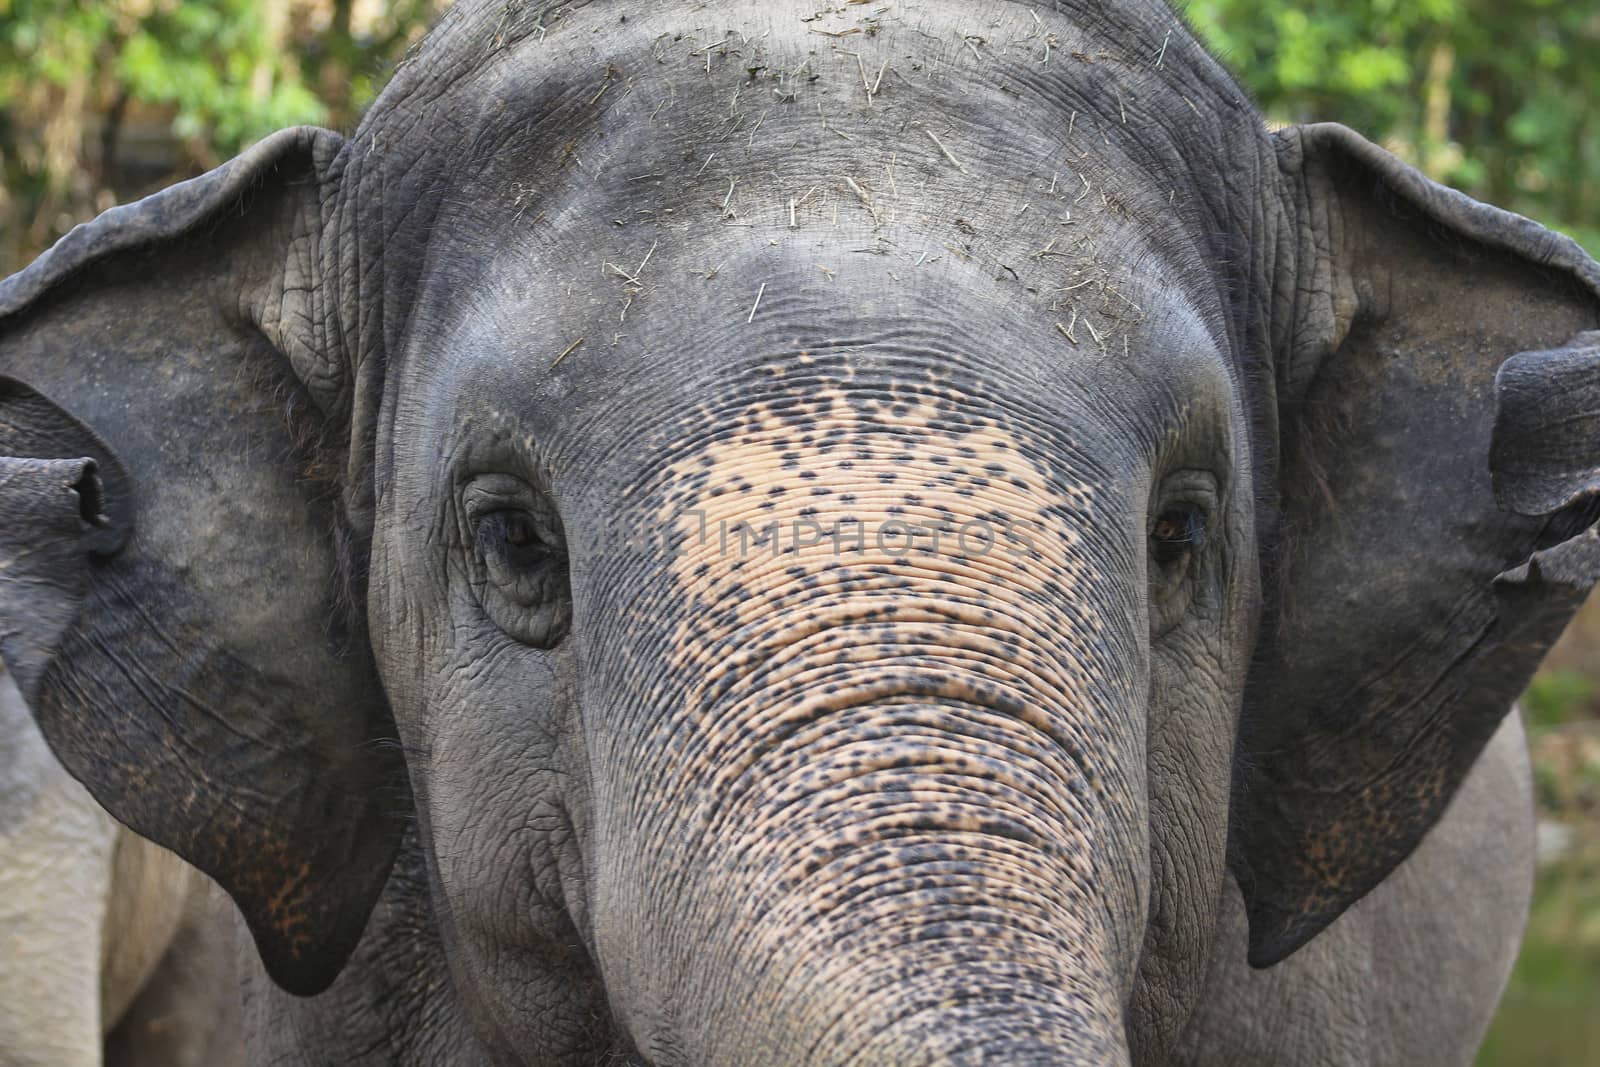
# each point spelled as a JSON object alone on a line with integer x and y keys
{"x": 859, "y": 626}
{"x": 840, "y": 548}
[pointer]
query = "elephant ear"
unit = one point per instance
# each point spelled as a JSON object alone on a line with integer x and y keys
{"x": 1405, "y": 609}
{"x": 175, "y": 567}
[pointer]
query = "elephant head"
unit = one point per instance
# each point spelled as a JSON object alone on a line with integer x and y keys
{"x": 841, "y": 528}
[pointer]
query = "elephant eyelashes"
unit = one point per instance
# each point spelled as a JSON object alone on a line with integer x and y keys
{"x": 1176, "y": 538}
{"x": 1177, "y": 534}
{"x": 522, "y": 565}
{"x": 514, "y": 536}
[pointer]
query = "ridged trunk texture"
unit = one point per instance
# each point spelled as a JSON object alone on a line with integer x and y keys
{"x": 873, "y": 823}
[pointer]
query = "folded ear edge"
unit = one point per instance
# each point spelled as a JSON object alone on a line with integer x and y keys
{"x": 1471, "y": 219}
{"x": 1545, "y": 451}
{"x": 24, "y": 411}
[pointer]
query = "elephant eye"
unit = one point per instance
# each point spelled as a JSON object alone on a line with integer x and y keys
{"x": 1176, "y": 537}
{"x": 523, "y": 576}
{"x": 1177, "y": 534}
{"x": 514, "y": 538}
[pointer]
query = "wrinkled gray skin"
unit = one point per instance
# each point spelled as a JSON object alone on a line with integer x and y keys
{"x": 463, "y": 489}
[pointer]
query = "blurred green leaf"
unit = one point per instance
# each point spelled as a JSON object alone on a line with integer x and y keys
{"x": 1496, "y": 98}
{"x": 1557, "y": 697}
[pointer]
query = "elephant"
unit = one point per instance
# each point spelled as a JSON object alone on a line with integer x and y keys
{"x": 115, "y": 950}
{"x": 912, "y": 532}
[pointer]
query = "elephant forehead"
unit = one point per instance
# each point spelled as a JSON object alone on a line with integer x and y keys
{"x": 834, "y": 454}
{"x": 898, "y": 512}
{"x": 659, "y": 169}
{"x": 649, "y": 204}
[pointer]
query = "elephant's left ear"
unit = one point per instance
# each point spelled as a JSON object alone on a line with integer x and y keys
{"x": 1406, "y": 608}
{"x": 180, "y": 563}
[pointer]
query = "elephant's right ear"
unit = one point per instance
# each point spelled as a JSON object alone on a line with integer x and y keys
{"x": 1436, "y": 371}
{"x": 180, "y": 589}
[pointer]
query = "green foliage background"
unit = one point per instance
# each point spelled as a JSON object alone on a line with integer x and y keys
{"x": 1495, "y": 97}
{"x": 102, "y": 102}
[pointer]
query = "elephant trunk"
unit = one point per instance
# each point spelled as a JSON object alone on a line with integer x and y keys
{"x": 918, "y": 877}
{"x": 892, "y": 813}
{"x": 901, "y": 898}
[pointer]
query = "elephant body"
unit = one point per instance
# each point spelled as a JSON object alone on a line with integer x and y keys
{"x": 732, "y": 533}
{"x": 116, "y": 951}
